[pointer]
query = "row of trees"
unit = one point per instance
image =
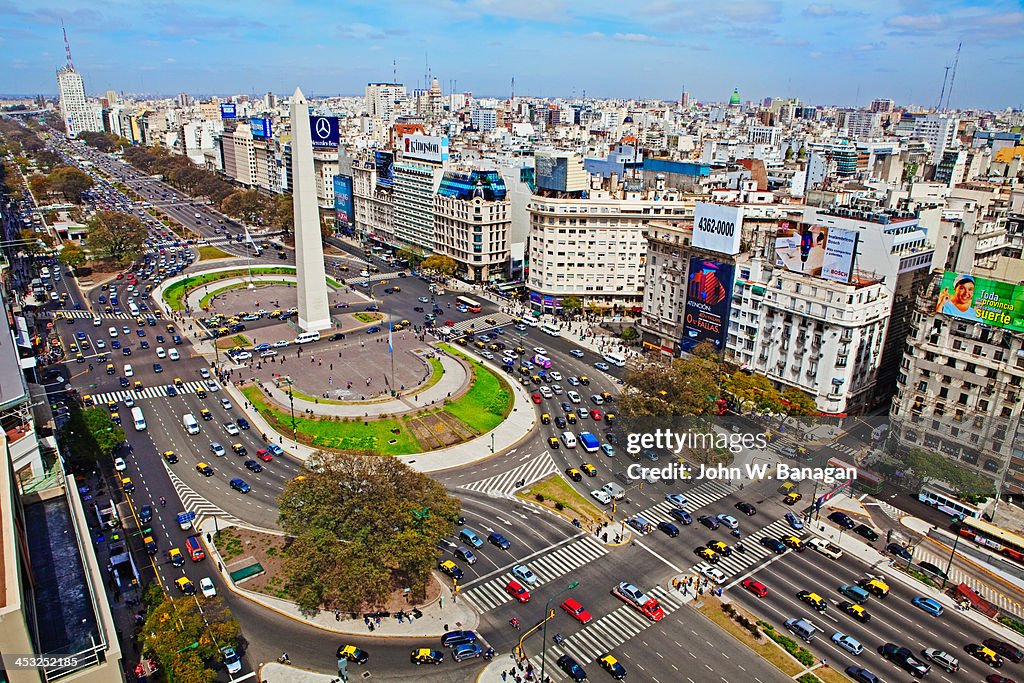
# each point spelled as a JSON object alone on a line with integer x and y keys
{"x": 925, "y": 465}
{"x": 69, "y": 182}
{"x": 88, "y": 436}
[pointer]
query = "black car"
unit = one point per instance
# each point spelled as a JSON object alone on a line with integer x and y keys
{"x": 126, "y": 351}
{"x": 842, "y": 519}
{"x": 336, "y": 336}
{"x": 709, "y": 521}
{"x": 773, "y": 544}
{"x": 668, "y": 528}
{"x": 681, "y": 516}
{"x": 932, "y": 569}
{"x": 145, "y": 514}
{"x": 905, "y": 659}
{"x": 1005, "y": 649}
{"x": 243, "y": 423}
{"x": 123, "y": 381}
{"x": 560, "y": 422}
{"x": 571, "y": 668}
{"x": 866, "y": 531}
{"x": 862, "y": 675}
{"x": 899, "y": 551}
{"x": 453, "y": 638}
{"x": 373, "y": 330}
{"x": 746, "y": 508}
{"x": 253, "y": 466}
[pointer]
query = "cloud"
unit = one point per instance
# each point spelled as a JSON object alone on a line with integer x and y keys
{"x": 822, "y": 10}
{"x": 921, "y": 23}
{"x": 361, "y": 32}
{"x": 636, "y": 38}
{"x": 788, "y": 42}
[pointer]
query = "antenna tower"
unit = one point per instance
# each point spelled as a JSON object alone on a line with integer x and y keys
{"x": 952, "y": 76}
{"x": 67, "y": 45}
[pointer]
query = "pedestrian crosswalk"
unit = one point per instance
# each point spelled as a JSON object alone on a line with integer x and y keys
{"x": 376, "y": 277}
{"x": 957, "y": 576}
{"x": 491, "y": 593}
{"x": 80, "y": 313}
{"x": 739, "y": 562}
{"x": 193, "y": 502}
{"x": 506, "y": 483}
{"x": 835, "y": 447}
{"x": 147, "y": 392}
{"x": 480, "y": 324}
{"x": 705, "y": 493}
{"x": 610, "y": 631}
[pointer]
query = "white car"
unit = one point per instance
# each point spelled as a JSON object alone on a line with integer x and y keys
{"x": 729, "y": 521}
{"x": 556, "y": 376}
{"x": 161, "y": 352}
{"x": 206, "y": 587}
{"x": 100, "y": 344}
{"x": 281, "y": 344}
{"x": 204, "y": 373}
{"x": 574, "y": 397}
{"x": 120, "y": 465}
{"x": 713, "y": 574}
{"x": 541, "y": 350}
{"x": 487, "y": 354}
{"x": 231, "y": 429}
{"x": 601, "y": 497}
{"x": 268, "y": 353}
{"x": 112, "y": 332}
{"x": 242, "y": 355}
{"x": 576, "y": 353}
{"x": 211, "y": 385}
{"x": 173, "y": 354}
{"x": 226, "y": 404}
{"x": 128, "y": 371}
{"x": 96, "y": 322}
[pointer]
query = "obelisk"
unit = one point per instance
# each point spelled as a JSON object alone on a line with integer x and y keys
{"x": 314, "y": 311}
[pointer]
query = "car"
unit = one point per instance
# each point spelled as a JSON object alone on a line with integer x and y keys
{"x": 773, "y": 544}
{"x": 997, "y": 678}
{"x": 206, "y": 587}
{"x": 984, "y": 654}
{"x": 571, "y": 668}
{"x": 170, "y": 390}
{"x": 929, "y": 605}
{"x": 120, "y": 465}
{"x": 423, "y": 300}
{"x": 706, "y": 554}
{"x": 709, "y": 521}
{"x": 612, "y": 666}
{"x": 575, "y": 610}
{"x": 905, "y": 659}
{"x": 239, "y": 485}
{"x": 573, "y": 381}
{"x": 713, "y": 574}
{"x": 1005, "y": 649}
{"x": 145, "y": 514}
{"x": 865, "y": 531}
{"x": 178, "y": 560}
{"x": 466, "y": 651}
{"x": 425, "y": 655}
{"x": 794, "y": 522}
{"x": 792, "y": 498}
{"x": 601, "y": 366}
{"x": 536, "y": 398}
{"x": 942, "y": 659}
{"x": 525, "y": 574}
{"x": 264, "y": 455}
{"x": 183, "y": 584}
{"x": 115, "y": 344}
{"x": 681, "y": 516}
{"x": 226, "y": 404}
{"x": 608, "y": 450}
{"x": 498, "y": 540}
{"x": 352, "y": 654}
{"x": 560, "y": 422}
{"x": 253, "y": 466}
{"x": 899, "y": 551}
{"x": 448, "y": 567}
{"x": 930, "y": 568}
{"x": 212, "y": 385}
{"x": 601, "y": 496}
{"x": 217, "y": 449}
{"x": 729, "y": 521}
{"x": 517, "y": 591}
{"x": 855, "y": 611}
{"x": 125, "y": 351}
{"x": 231, "y": 429}
{"x": 668, "y": 528}
{"x": 170, "y": 456}
{"x": 454, "y": 638}
{"x": 794, "y": 543}
{"x": 275, "y": 450}
{"x": 574, "y": 474}
{"x": 755, "y": 587}
{"x": 553, "y": 442}
{"x": 720, "y": 548}
{"x": 573, "y": 396}
{"x": 842, "y": 519}
{"x": 862, "y": 675}
{"x": 814, "y": 600}
{"x": 576, "y": 353}
{"x": 465, "y": 554}
{"x": 239, "y": 449}
{"x": 746, "y": 508}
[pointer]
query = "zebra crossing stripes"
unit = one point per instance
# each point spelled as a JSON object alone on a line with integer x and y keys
{"x": 612, "y": 630}
{"x": 480, "y": 324}
{"x": 81, "y": 313}
{"x": 737, "y": 563}
{"x": 491, "y": 594}
{"x": 504, "y": 484}
{"x": 148, "y": 392}
{"x": 957, "y": 576}
{"x": 193, "y": 502}
{"x": 376, "y": 277}
{"x": 703, "y": 494}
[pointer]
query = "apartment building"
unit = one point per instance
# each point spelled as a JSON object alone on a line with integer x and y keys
{"x": 373, "y": 199}
{"x": 473, "y": 223}
{"x": 418, "y": 170}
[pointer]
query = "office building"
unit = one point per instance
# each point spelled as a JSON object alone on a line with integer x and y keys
{"x": 417, "y": 174}
{"x": 78, "y": 113}
{"x": 373, "y": 197}
{"x": 484, "y": 119}
{"x": 862, "y": 124}
{"x": 386, "y": 101}
{"x": 473, "y": 223}
{"x": 882, "y": 106}
{"x": 939, "y": 131}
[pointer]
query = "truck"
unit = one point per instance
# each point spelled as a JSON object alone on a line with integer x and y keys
{"x": 185, "y": 520}
{"x": 825, "y": 548}
{"x": 638, "y": 600}
{"x": 590, "y": 443}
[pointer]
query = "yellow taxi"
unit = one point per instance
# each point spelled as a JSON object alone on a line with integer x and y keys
{"x": 111, "y": 369}
{"x": 204, "y": 469}
{"x": 613, "y": 667}
{"x": 985, "y": 654}
{"x": 519, "y": 350}
{"x": 706, "y": 554}
{"x": 137, "y": 386}
{"x": 589, "y": 469}
{"x": 792, "y": 498}
{"x": 490, "y": 321}
{"x": 480, "y": 345}
{"x": 398, "y": 327}
{"x": 552, "y": 442}
{"x": 276, "y": 313}
{"x": 111, "y": 406}
{"x": 206, "y": 414}
{"x": 571, "y": 418}
{"x": 813, "y": 599}
{"x": 184, "y": 585}
{"x": 170, "y": 456}
{"x": 239, "y": 449}
{"x": 609, "y": 418}
{"x": 876, "y": 587}
{"x": 127, "y": 485}
{"x": 352, "y": 654}
{"x": 461, "y": 341}
{"x": 405, "y": 322}
{"x": 88, "y": 401}
{"x": 855, "y": 611}
{"x": 176, "y": 558}
{"x": 424, "y": 655}
{"x": 178, "y": 383}
{"x": 545, "y": 419}
{"x": 720, "y": 547}
{"x": 574, "y": 474}
{"x": 450, "y": 568}
{"x": 115, "y": 417}
{"x": 794, "y": 543}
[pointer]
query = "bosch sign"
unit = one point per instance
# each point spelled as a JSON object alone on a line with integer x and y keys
{"x": 717, "y": 227}
{"x": 425, "y": 147}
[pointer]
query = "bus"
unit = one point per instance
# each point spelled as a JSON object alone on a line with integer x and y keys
{"x": 993, "y": 537}
{"x": 944, "y": 500}
{"x": 616, "y": 359}
{"x": 589, "y": 442}
{"x": 552, "y": 330}
{"x": 471, "y": 305}
{"x": 542, "y": 361}
{"x": 138, "y": 419}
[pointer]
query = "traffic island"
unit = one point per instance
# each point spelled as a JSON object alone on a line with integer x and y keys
{"x": 555, "y": 494}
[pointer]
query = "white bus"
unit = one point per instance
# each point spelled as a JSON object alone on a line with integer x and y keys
{"x": 615, "y": 359}
{"x": 553, "y": 330}
{"x": 307, "y": 337}
{"x": 139, "y": 419}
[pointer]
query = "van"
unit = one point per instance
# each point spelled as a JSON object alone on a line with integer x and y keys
{"x": 194, "y": 549}
{"x": 307, "y": 337}
{"x": 569, "y": 439}
{"x": 191, "y": 426}
{"x": 614, "y": 490}
{"x": 802, "y": 628}
{"x": 855, "y": 593}
{"x": 469, "y": 537}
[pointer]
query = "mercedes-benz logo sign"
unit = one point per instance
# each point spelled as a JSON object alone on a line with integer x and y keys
{"x": 323, "y": 128}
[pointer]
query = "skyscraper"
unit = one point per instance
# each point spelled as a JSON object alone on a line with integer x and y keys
{"x": 78, "y": 113}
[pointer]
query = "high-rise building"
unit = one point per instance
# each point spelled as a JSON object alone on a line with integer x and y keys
{"x": 473, "y": 222}
{"x": 484, "y": 119}
{"x": 386, "y": 100}
{"x": 862, "y": 124}
{"x": 78, "y": 113}
{"x": 882, "y": 106}
{"x": 684, "y": 100}
{"x": 939, "y": 131}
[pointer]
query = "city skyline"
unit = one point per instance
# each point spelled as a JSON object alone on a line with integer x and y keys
{"x": 822, "y": 53}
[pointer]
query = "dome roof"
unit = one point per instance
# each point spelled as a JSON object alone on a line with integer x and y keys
{"x": 735, "y": 99}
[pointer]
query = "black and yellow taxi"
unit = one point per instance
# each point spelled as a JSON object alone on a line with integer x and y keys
{"x": 609, "y": 418}
{"x": 127, "y": 485}
{"x": 176, "y": 558}
{"x": 584, "y": 380}
{"x": 150, "y": 544}
{"x": 404, "y": 322}
{"x": 206, "y": 414}
{"x": 792, "y": 498}
{"x": 398, "y": 327}
{"x": 201, "y": 391}
{"x": 170, "y": 456}
{"x": 461, "y": 341}
{"x": 204, "y": 469}
{"x": 589, "y": 469}
{"x": 490, "y": 321}
{"x": 706, "y": 554}
{"x": 480, "y": 345}
{"x": 184, "y": 585}
{"x": 855, "y": 611}
{"x": 519, "y": 350}
{"x": 545, "y": 419}
{"x": 573, "y": 474}
{"x": 720, "y": 548}
{"x": 450, "y": 568}
{"x": 88, "y": 401}
{"x": 178, "y": 383}
{"x": 553, "y": 442}
{"x": 814, "y": 600}
{"x": 137, "y": 385}
{"x": 610, "y": 664}
{"x": 239, "y": 449}
{"x": 794, "y": 543}
{"x": 493, "y": 347}
{"x": 425, "y": 655}
{"x": 111, "y": 369}
{"x": 111, "y": 406}
{"x": 276, "y": 313}
{"x": 115, "y": 417}
{"x": 875, "y": 586}
{"x": 352, "y": 654}
{"x": 984, "y": 654}
{"x": 571, "y": 418}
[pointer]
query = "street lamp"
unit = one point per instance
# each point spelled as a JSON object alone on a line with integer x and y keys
{"x": 547, "y": 618}
{"x": 952, "y": 554}
{"x": 291, "y": 402}
{"x": 170, "y": 672}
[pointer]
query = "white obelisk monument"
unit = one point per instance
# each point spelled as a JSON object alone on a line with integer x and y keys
{"x": 314, "y": 311}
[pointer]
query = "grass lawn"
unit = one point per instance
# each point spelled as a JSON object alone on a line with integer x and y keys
{"x": 209, "y": 253}
{"x": 373, "y": 437}
{"x": 556, "y": 489}
{"x": 233, "y": 341}
{"x": 436, "y": 373}
{"x": 488, "y": 400}
{"x": 175, "y": 294}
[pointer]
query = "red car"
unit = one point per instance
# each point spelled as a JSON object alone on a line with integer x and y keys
{"x": 516, "y": 590}
{"x": 536, "y": 397}
{"x": 755, "y": 587}
{"x": 449, "y": 323}
{"x": 595, "y": 414}
{"x": 576, "y": 611}
{"x": 264, "y": 455}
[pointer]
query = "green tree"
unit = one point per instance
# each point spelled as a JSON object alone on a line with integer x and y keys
{"x": 248, "y": 205}
{"x": 283, "y": 213}
{"x": 40, "y": 186}
{"x": 799, "y": 403}
{"x": 909, "y": 171}
{"x": 119, "y": 236}
{"x": 70, "y": 182}
{"x": 412, "y": 257}
{"x": 184, "y": 639}
{"x": 686, "y": 386}
{"x": 105, "y": 432}
{"x": 572, "y": 304}
{"x": 629, "y": 334}
{"x": 31, "y": 242}
{"x": 72, "y": 255}
{"x": 926, "y": 465}
{"x": 753, "y": 392}
{"x": 362, "y": 527}
{"x": 440, "y": 264}
{"x": 77, "y": 443}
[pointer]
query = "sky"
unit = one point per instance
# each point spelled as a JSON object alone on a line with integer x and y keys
{"x": 829, "y": 53}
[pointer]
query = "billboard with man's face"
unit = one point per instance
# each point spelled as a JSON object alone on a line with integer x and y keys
{"x": 980, "y": 300}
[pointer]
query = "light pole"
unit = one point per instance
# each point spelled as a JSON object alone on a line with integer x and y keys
{"x": 170, "y": 672}
{"x": 952, "y": 554}
{"x": 291, "y": 402}
{"x": 547, "y": 618}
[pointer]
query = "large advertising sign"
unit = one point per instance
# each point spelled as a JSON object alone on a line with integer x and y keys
{"x": 343, "y": 205}
{"x": 323, "y": 131}
{"x": 228, "y": 111}
{"x": 840, "y": 248}
{"x": 384, "y": 162}
{"x": 979, "y": 300}
{"x": 260, "y": 127}
{"x": 717, "y": 227}
{"x": 425, "y": 148}
{"x": 708, "y": 296}
{"x": 800, "y": 247}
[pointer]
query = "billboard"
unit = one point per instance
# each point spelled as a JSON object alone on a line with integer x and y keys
{"x": 800, "y": 247}
{"x": 840, "y": 249}
{"x": 323, "y": 131}
{"x": 717, "y": 227}
{"x": 425, "y": 148}
{"x": 979, "y": 300}
{"x": 228, "y": 111}
{"x": 343, "y": 206}
{"x": 708, "y": 297}
{"x": 260, "y": 127}
{"x": 384, "y": 162}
